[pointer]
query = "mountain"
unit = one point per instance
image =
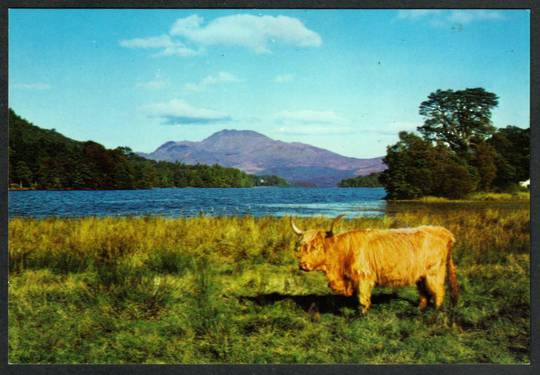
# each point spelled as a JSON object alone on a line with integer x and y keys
{"x": 258, "y": 154}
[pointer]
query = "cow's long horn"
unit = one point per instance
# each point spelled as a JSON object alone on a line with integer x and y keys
{"x": 336, "y": 220}
{"x": 295, "y": 229}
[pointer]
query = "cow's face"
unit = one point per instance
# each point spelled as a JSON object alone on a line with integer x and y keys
{"x": 311, "y": 252}
{"x": 311, "y": 247}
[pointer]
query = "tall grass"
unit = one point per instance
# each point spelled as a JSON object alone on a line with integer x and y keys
{"x": 228, "y": 290}
{"x": 480, "y": 197}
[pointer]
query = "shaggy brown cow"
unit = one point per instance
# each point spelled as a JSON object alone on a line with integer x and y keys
{"x": 357, "y": 260}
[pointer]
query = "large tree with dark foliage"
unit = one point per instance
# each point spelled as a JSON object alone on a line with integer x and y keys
{"x": 512, "y": 145}
{"x": 458, "y": 118}
{"x": 483, "y": 157}
{"x": 460, "y": 151}
{"x": 417, "y": 168}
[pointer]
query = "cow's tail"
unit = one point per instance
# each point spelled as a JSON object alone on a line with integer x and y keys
{"x": 451, "y": 273}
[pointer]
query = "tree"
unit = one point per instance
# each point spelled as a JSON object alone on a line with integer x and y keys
{"x": 267, "y": 180}
{"x": 418, "y": 168}
{"x": 11, "y": 165}
{"x": 408, "y": 175}
{"x": 512, "y": 145}
{"x": 451, "y": 175}
{"x": 24, "y": 174}
{"x": 371, "y": 180}
{"x": 506, "y": 175}
{"x": 458, "y": 118}
{"x": 484, "y": 159}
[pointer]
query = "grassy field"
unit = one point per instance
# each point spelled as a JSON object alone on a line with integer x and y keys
{"x": 228, "y": 290}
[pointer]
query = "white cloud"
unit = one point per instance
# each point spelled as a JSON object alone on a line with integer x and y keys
{"x": 218, "y": 79}
{"x": 444, "y": 18}
{"x": 178, "y": 112}
{"x": 283, "y": 78}
{"x": 257, "y": 33}
{"x": 415, "y": 14}
{"x": 245, "y": 30}
{"x": 392, "y": 128}
{"x": 168, "y": 46}
{"x": 38, "y": 86}
{"x": 179, "y": 50}
{"x": 468, "y": 16}
{"x": 309, "y": 122}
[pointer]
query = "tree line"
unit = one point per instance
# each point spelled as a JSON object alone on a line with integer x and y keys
{"x": 458, "y": 150}
{"x": 371, "y": 180}
{"x": 45, "y": 159}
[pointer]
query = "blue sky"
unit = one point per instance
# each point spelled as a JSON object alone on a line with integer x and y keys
{"x": 345, "y": 80}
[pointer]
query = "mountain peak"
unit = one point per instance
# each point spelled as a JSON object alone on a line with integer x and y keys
{"x": 256, "y": 153}
{"x": 235, "y": 133}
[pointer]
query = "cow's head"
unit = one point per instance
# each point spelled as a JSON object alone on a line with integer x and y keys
{"x": 312, "y": 249}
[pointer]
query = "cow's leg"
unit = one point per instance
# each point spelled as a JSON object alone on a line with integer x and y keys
{"x": 423, "y": 293}
{"x": 435, "y": 285}
{"x": 364, "y": 294}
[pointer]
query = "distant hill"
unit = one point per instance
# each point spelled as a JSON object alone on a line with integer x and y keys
{"x": 255, "y": 153}
{"x": 45, "y": 159}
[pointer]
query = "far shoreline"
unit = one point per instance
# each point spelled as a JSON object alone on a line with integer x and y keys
{"x": 196, "y": 187}
{"x": 155, "y": 188}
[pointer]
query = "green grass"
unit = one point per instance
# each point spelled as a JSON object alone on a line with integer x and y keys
{"x": 228, "y": 290}
{"x": 519, "y": 196}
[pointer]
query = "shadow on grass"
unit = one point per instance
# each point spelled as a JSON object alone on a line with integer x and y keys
{"x": 324, "y": 303}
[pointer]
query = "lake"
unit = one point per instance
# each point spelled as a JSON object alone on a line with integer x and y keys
{"x": 262, "y": 201}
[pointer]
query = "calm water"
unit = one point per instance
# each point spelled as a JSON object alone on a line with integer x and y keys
{"x": 351, "y": 202}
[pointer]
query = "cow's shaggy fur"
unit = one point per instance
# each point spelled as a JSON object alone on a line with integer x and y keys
{"x": 356, "y": 261}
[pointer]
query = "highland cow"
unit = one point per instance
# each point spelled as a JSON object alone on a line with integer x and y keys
{"x": 356, "y": 261}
